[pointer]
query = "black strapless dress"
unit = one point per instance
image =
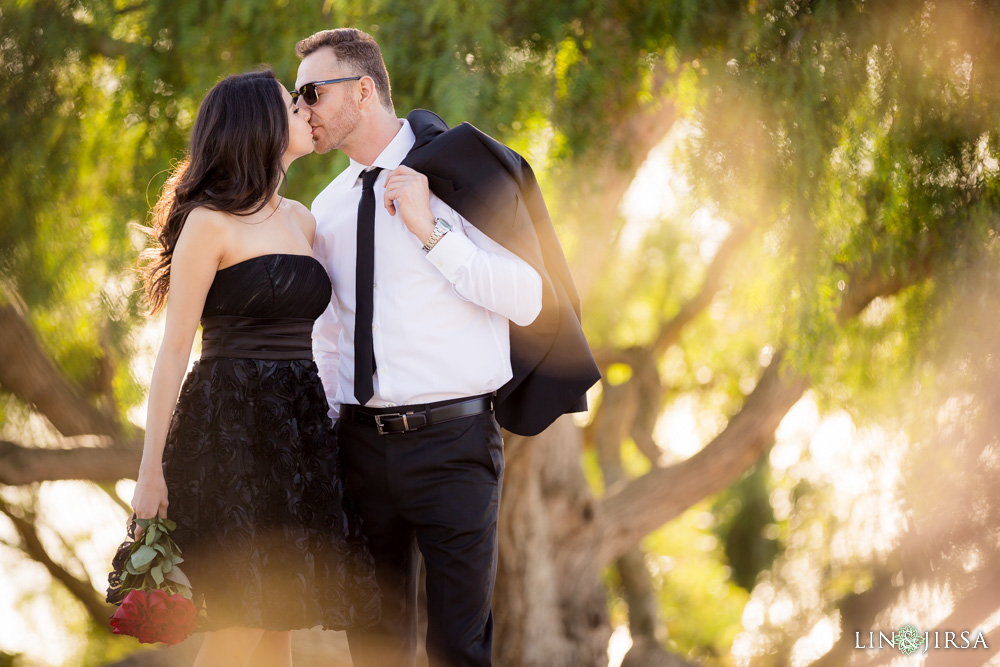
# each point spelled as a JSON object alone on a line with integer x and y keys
{"x": 252, "y": 464}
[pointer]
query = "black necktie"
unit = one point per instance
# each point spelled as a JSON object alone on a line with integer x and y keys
{"x": 364, "y": 351}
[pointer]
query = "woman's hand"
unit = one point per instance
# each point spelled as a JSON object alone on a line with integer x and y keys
{"x": 150, "y": 497}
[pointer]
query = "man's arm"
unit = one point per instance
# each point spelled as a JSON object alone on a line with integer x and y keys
{"x": 484, "y": 272}
{"x": 481, "y": 270}
{"x": 326, "y": 337}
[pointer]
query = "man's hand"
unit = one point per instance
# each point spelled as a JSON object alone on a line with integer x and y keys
{"x": 407, "y": 191}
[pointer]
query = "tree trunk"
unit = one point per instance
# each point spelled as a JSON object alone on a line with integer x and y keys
{"x": 29, "y": 374}
{"x": 544, "y": 618}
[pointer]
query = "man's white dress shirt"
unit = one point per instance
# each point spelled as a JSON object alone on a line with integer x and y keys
{"x": 441, "y": 323}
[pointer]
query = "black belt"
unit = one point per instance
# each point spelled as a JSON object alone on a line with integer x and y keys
{"x": 407, "y": 418}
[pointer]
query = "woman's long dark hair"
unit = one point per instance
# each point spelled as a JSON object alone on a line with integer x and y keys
{"x": 233, "y": 165}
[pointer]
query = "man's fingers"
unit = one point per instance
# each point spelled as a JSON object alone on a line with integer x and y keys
{"x": 401, "y": 185}
{"x": 389, "y": 200}
{"x": 402, "y": 170}
{"x": 399, "y": 178}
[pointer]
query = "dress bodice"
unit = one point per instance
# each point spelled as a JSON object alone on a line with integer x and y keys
{"x": 265, "y": 307}
{"x": 277, "y": 285}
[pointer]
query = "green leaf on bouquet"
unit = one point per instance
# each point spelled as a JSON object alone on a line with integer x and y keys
{"x": 152, "y": 534}
{"x": 166, "y": 566}
{"x": 179, "y": 577}
{"x": 143, "y": 523}
{"x": 162, "y": 549}
{"x": 168, "y": 525}
{"x": 131, "y": 568}
{"x": 143, "y": 557}
{"x": 157, "y": 573}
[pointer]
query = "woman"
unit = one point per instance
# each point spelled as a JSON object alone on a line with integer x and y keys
{"x": 248, "y": 461}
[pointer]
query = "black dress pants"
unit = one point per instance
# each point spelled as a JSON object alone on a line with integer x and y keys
{"x": 436, "y": 489}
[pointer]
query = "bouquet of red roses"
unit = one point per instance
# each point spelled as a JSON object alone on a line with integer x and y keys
{"x": 153, "y": 595}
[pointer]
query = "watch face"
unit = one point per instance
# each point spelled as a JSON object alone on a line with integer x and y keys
{"x": 441, "y": 222}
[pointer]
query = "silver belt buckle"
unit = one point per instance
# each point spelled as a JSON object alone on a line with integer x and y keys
{"x": 379, "y": 426}
{"x": 378, "y": 423}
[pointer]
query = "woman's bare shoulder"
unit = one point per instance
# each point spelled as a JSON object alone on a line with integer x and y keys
{"x": 303, "y": 217}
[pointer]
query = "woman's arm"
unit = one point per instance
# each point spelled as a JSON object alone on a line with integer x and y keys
{"x": 195, "y": 260}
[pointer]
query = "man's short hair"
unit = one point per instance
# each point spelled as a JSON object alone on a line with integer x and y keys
{"x": 356, "y": 48}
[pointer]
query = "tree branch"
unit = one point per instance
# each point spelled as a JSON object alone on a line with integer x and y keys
{"x": 31, "y": 544}
{"x": 633, "y": 511}
{"x": 29, "y": 374}
{"x": 109, "y": 489}
{"x": 93, "y": 459}
{"x": 629, "y": 513}
{"x": 670, "y": 330}
{"x": 863, "y": 289}
{"x": 604, "y": 178}
{"x": 132, "y": 8}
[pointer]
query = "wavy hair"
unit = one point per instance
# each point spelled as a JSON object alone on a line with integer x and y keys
{"x": 233, "y": 165}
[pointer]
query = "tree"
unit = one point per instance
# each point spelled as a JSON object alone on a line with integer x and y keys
{"x": 849, "y": 148}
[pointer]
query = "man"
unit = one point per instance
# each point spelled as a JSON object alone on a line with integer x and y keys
{"x": 447, "y": 306}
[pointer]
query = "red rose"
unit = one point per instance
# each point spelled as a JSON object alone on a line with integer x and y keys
{"x": 156, "y": 597}
{"x": 132, "y": 611}
{"x": 183, "y": 613}
{"x": 183, "y": 619}
{"x": 158, "y": 611}
{"x": 153, "y": 616}
{"x": 121, "y": 626}
{"x": 148, "y": 632}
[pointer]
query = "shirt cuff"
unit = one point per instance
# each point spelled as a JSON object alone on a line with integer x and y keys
{"x": 450, "y": 253}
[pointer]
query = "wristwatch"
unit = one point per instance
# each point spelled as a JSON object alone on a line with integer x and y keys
{"x": 441, "y": 227}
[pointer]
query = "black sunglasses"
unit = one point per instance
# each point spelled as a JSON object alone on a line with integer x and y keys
{"x": 308, "y": 92}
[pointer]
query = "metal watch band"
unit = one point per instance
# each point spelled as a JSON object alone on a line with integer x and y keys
{"x": 440, "y": 229}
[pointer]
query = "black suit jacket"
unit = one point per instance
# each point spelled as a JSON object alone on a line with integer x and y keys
{"x": 494, "y": 188}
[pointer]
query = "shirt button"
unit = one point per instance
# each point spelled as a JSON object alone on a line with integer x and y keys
{"x": 374, "y": 285}
{"x": 390, "y": 405}
{"x": 374, "y": 327}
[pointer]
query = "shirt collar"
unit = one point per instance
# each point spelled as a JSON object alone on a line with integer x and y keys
{"x": 391, "y": 156}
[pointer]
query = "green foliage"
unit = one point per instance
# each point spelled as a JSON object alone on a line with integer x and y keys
{"x": 153, "y": 560}
{"x": 102, "y": 648}
{"x": 700, "y": 603}
{"x": 866, "y": 138}
{"x": 746, "y": 524}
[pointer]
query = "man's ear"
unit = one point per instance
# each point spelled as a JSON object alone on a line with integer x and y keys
{"x": 367, "y": 94}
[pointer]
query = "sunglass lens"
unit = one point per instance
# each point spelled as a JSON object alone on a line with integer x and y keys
{"x": 309, "y": 94}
